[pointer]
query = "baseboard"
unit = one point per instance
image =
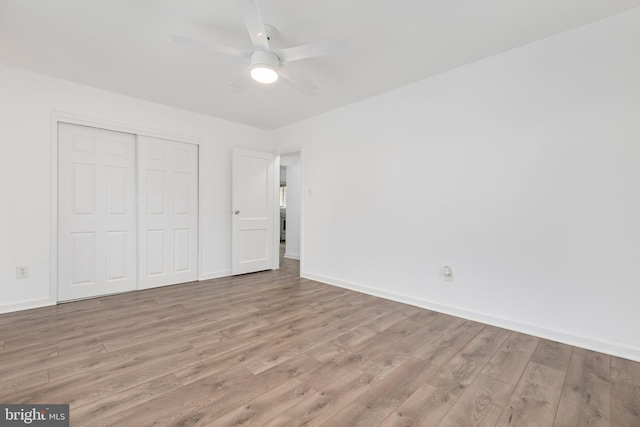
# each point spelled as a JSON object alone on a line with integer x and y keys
{"x": 45, "y": 302}
{"x": 292, "y": 256}
{"x": 590, "y": 343}
{"x": 26, "y": 305}
{"x": 215, "y": 275}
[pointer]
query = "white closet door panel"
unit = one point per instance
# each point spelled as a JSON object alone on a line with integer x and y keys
{"x": 168, "y": 187}
{"x": 156, "y": 248}
{"x": 96, "y": 212}
{"x": 116, "y": 255}
{"x": 182, "y": 250}
{"x": 83, "y": 259}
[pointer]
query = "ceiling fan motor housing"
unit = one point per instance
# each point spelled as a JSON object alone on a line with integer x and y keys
{"x": 264, "y": 66}
{"x": 265, "y": 58}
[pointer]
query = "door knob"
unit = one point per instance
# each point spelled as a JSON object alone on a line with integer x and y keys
{"x": 236, "y": 212}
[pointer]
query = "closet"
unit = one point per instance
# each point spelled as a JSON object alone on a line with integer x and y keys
{"x": 127, "y": 212}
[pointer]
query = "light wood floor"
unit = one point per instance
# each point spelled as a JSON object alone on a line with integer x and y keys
{"x": 273, "y": 349}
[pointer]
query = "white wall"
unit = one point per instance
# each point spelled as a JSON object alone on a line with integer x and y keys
{"x": 521, "y": 171}
{"x": 292, "y": 244}
{"x": 26, "y": 107}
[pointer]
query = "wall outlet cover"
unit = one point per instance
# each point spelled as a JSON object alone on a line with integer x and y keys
{"x": 22, "y": 272}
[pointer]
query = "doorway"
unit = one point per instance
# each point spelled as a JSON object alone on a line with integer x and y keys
{"x": 290, "y": 208}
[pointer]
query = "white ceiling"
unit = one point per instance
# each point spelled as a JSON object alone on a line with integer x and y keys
{"x": 124, "y": 46}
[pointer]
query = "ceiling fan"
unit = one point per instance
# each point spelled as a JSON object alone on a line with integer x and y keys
{"x": 267, "y": 65}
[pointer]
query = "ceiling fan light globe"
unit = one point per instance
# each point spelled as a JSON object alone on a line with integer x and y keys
{"x": 264, "y": 74}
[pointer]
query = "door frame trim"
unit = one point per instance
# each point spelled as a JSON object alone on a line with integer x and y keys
{"x": 76, "y": 119}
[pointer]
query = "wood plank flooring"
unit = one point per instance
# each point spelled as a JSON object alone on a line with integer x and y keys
{"x": 273, "y": 349}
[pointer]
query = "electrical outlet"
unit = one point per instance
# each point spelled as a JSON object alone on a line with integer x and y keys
{"x": 447, "y": 272}
{"x": 22, "y": 272}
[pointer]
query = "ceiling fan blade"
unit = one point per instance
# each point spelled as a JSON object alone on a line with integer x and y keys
{"x": 253, "y": 21}
{"x": 241, "y": 83}
{"x": 311, "y": 50}
{"x": 214, "y": 47}
{"x": 188, "y": 41}
{"x": 297, "y": 81}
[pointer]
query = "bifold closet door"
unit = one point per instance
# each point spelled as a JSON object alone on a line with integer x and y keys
{"x": 168, "y": 206}
{"x": 96, "y": 212}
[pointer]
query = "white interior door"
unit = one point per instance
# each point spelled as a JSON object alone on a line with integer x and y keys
{"x": 254, "y": 190}
{"x": 168, "y": 188}
{"x": 96, "y": 212}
